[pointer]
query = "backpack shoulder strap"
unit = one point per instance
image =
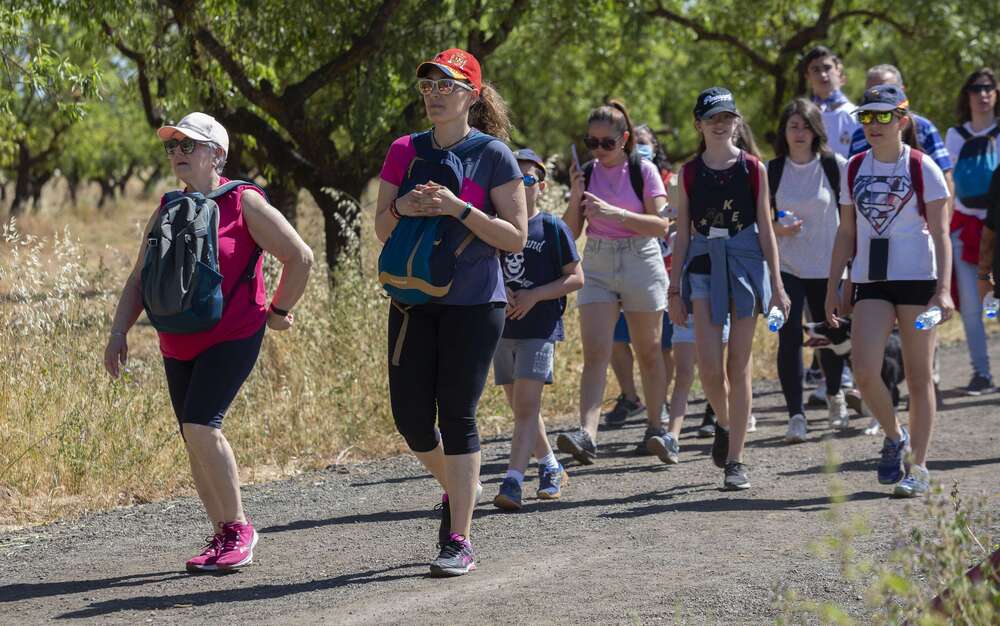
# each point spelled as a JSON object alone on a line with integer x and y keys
{"x": 995, "y": 132}
{"x": 853, "y": 167}
{"x": 753, "y": 171}
{"x": 917, "y": 178}
{"x": 635, "y": 176}
{"x": 832, "y": 171}
{"x": 960, "y": 129}
{"x": 688, "y": 172}
{"x": 224, "y": 189}
{"x": 774, "y": 169}
{"x": 551, "y": 223}
{"x": 588, "y": 171}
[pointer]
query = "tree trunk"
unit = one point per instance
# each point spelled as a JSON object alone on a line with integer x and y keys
{"x": 22, "y": 184}
{"x": 341, "y": 226}
{"x": 107, "y": 191}
{"x": 283, "y": 193}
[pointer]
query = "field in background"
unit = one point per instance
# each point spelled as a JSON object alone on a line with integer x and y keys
{"x": 72, "y": 440}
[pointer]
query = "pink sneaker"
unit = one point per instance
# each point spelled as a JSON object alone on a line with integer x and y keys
{"x": 205, "y": 562}
{"x": 238, "y": 540}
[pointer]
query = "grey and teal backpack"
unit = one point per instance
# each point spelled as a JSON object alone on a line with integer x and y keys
{"x": 181, "y": 283}
{"x": 976, "y": 161}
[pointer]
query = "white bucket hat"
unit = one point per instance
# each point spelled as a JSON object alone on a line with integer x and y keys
{"x": 200, "y": 127}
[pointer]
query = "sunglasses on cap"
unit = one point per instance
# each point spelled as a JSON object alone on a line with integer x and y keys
{"x": 187, "y": 145}
{"x": 980, "y": 88}
{"x": 444, "y": 86}
{"x": 529, "y": 180}
{"x": 882, "y": 117}
{"x": 593, "y": 143}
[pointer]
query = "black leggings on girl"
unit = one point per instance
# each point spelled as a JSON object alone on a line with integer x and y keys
{"x": 443, "y": 362}
{"x": 810, "y": 291}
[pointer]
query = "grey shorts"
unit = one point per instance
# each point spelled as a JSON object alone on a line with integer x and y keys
{"x": 530, "y": 359}
{"x": 629, "y": 271}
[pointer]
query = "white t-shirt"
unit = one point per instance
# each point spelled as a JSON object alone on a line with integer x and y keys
{"x": 953, "y": 142}
{"x": 885, "y": 206}
{"x": 805, "y": 191}
{"x": 840, "y": 125}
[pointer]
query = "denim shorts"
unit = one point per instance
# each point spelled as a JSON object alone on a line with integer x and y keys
{"x": 629, "y": 271}
{"x": 701, "y": 286}
{"x": 530, "y": 359}
{"x": 685, "y": 334}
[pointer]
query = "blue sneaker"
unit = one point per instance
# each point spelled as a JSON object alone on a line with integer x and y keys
{"x": 892, "y": 467}
{"x": 550, "y": 482}
{"x": 509, "y": 498}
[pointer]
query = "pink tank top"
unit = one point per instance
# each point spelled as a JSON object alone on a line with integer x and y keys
{"x": 245, "y": 310}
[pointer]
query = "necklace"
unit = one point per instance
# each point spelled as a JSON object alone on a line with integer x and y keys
{"x": 895, "y": 166}
{"x": 451, "y": 145}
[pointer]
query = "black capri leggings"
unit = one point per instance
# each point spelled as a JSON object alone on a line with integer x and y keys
{"x": 811, "y": 291}
{"x": 202, "y": 389}
{"x": 443, "y": 360}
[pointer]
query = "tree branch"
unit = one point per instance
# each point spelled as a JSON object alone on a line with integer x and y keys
{"x": 153, "y": 116}
{"x": 705, "y": 34}
{"x": 875, "y": 15}
{"x": 361, "y": 47}
{"x": 483, "y": 49}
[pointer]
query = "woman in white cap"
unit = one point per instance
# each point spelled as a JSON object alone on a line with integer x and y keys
{"x": 206, "y": 369}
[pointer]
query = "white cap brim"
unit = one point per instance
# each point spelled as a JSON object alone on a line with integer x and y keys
{"x": 166, "y": 132}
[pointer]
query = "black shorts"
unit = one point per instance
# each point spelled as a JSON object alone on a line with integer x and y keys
{"x": 896, "y": 292}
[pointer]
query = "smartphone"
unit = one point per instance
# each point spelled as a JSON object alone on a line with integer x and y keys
{"x": 576, "y": 158}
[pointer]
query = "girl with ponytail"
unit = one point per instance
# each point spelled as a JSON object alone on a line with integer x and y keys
{"x": 617, "y": 197}
{"x": 440, "y": 351}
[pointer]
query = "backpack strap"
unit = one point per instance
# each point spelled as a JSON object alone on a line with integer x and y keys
{"x": 960, "y": 129}
{"x": 917, "y": 178}
{"x": 853, "y": 167}
{"x": 832, "y": 171}
{"x": 550, "y": 225}
{"x": 753, "y": 170}
{"x": 588, "y": 171}
{"x": 233, "y": 184}
{"x": 688, "y": 173}
{"x": 994, "y": 133}
{"x": 397, "y": 349}
{"x": 635, "y": 177}
{"x": 774, "y": 169}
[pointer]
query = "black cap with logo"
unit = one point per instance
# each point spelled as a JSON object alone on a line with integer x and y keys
{"x": 714, "y": 100}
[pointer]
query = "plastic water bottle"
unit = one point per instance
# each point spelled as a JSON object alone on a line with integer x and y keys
{"x": 991, "y": 306}
{"x": 787, "y": 218}
{"x": 928, "y": 319}
{"x": 775, "y": 319}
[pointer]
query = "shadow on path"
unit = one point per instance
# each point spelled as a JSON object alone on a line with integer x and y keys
{"x": 741, "y": 504}
{"x": 242, "y": 594}
{"x": 27, "y": 591}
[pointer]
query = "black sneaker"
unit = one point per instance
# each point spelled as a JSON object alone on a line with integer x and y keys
{"x": 707, "y": 428}
{"x": 579, "y": 445}
{"x": 624, "y": 409}
{"x": 978, "y": 385}
{"x": 720, "y": 447}
{"x": 737, "y": 477}
{"x": 456, "y": 558}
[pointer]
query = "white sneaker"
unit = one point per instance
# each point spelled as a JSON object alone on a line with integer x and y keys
{"x": 752, "y": 424}
{"x": 797, "y": 429}
{"x": 838, "y": 411}
{"x": 847, "y": 379}
{"x": 873, "y": 428}
{"x": 817, "y": 397}
{"x": 916, "y": 483}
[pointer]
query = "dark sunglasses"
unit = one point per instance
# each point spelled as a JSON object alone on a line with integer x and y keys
{"x": 444, "y": 86}
{"x": 607, "y": 143}
{"x": 882, "y": 117}
{"x": 529, "y": 180}
{"x": 980, "y": 88}
{"x": 187, "y": 145}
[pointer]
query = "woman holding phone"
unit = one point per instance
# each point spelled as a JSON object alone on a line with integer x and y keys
{"x": 623, "y": 270}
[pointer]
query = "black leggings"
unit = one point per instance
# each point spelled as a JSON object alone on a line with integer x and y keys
{"x": 202, "y": 389}
{"x": 443, "y": 360}
{"x": 811, "y": 291}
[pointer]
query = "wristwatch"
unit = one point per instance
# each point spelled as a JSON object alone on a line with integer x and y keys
{"x": 277, "y": 311}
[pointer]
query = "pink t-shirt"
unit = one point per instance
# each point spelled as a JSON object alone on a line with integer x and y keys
{"x": 614, "y": 187}
{"x": 244, "y": 311}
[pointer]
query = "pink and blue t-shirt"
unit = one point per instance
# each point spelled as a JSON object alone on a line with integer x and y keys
{"x": 478, "y": 278}
{"x": 245, "y": 309}
{"x": 613, "y": 185}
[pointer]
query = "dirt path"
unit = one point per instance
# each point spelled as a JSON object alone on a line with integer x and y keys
{"x": 632, "y": 541}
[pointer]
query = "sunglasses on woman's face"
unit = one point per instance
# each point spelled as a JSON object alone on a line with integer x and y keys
{"x": 444, "y": 86}
{"x": 977, "y": 89}
{"x": 605, "y": 143}
{"x": 187, "y": 145}
{"x": 882, "y": 117}
{"x": 529, "y": 180}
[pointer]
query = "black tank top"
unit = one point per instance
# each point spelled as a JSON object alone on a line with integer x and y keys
{"x": 722, "y": 199}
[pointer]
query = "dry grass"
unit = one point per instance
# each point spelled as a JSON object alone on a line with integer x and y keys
{"x": 71, "y": 439}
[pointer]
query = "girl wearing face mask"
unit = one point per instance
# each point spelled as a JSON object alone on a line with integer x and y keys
{"x": 623, "y": 270}
{"x": 437, "y": 373}
{"x": 730, "y": 267}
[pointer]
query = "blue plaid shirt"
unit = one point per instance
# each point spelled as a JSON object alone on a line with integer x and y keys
{"x": 927, "y": 136}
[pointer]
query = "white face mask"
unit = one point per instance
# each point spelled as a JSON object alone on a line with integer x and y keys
{"x": 645, "y": 150}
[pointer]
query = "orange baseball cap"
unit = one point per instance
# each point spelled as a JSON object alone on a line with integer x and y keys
{"x": 455, "y": 63}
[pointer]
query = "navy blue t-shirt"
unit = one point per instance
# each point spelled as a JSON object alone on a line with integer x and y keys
{"x": 539, "y": 264}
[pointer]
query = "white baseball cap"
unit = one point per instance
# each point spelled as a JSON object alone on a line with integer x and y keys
{"x": 200, "y": 127}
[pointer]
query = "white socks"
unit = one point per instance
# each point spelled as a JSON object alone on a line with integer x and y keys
{"x": 549, "y": 461}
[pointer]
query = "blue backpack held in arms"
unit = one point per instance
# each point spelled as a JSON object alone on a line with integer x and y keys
{"x": 974, "y": 167}
{"x": 181, "y": 283}
{"x": 417, "y": 263}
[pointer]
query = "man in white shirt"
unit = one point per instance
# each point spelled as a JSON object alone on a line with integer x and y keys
{"x": 824, "y": 74}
